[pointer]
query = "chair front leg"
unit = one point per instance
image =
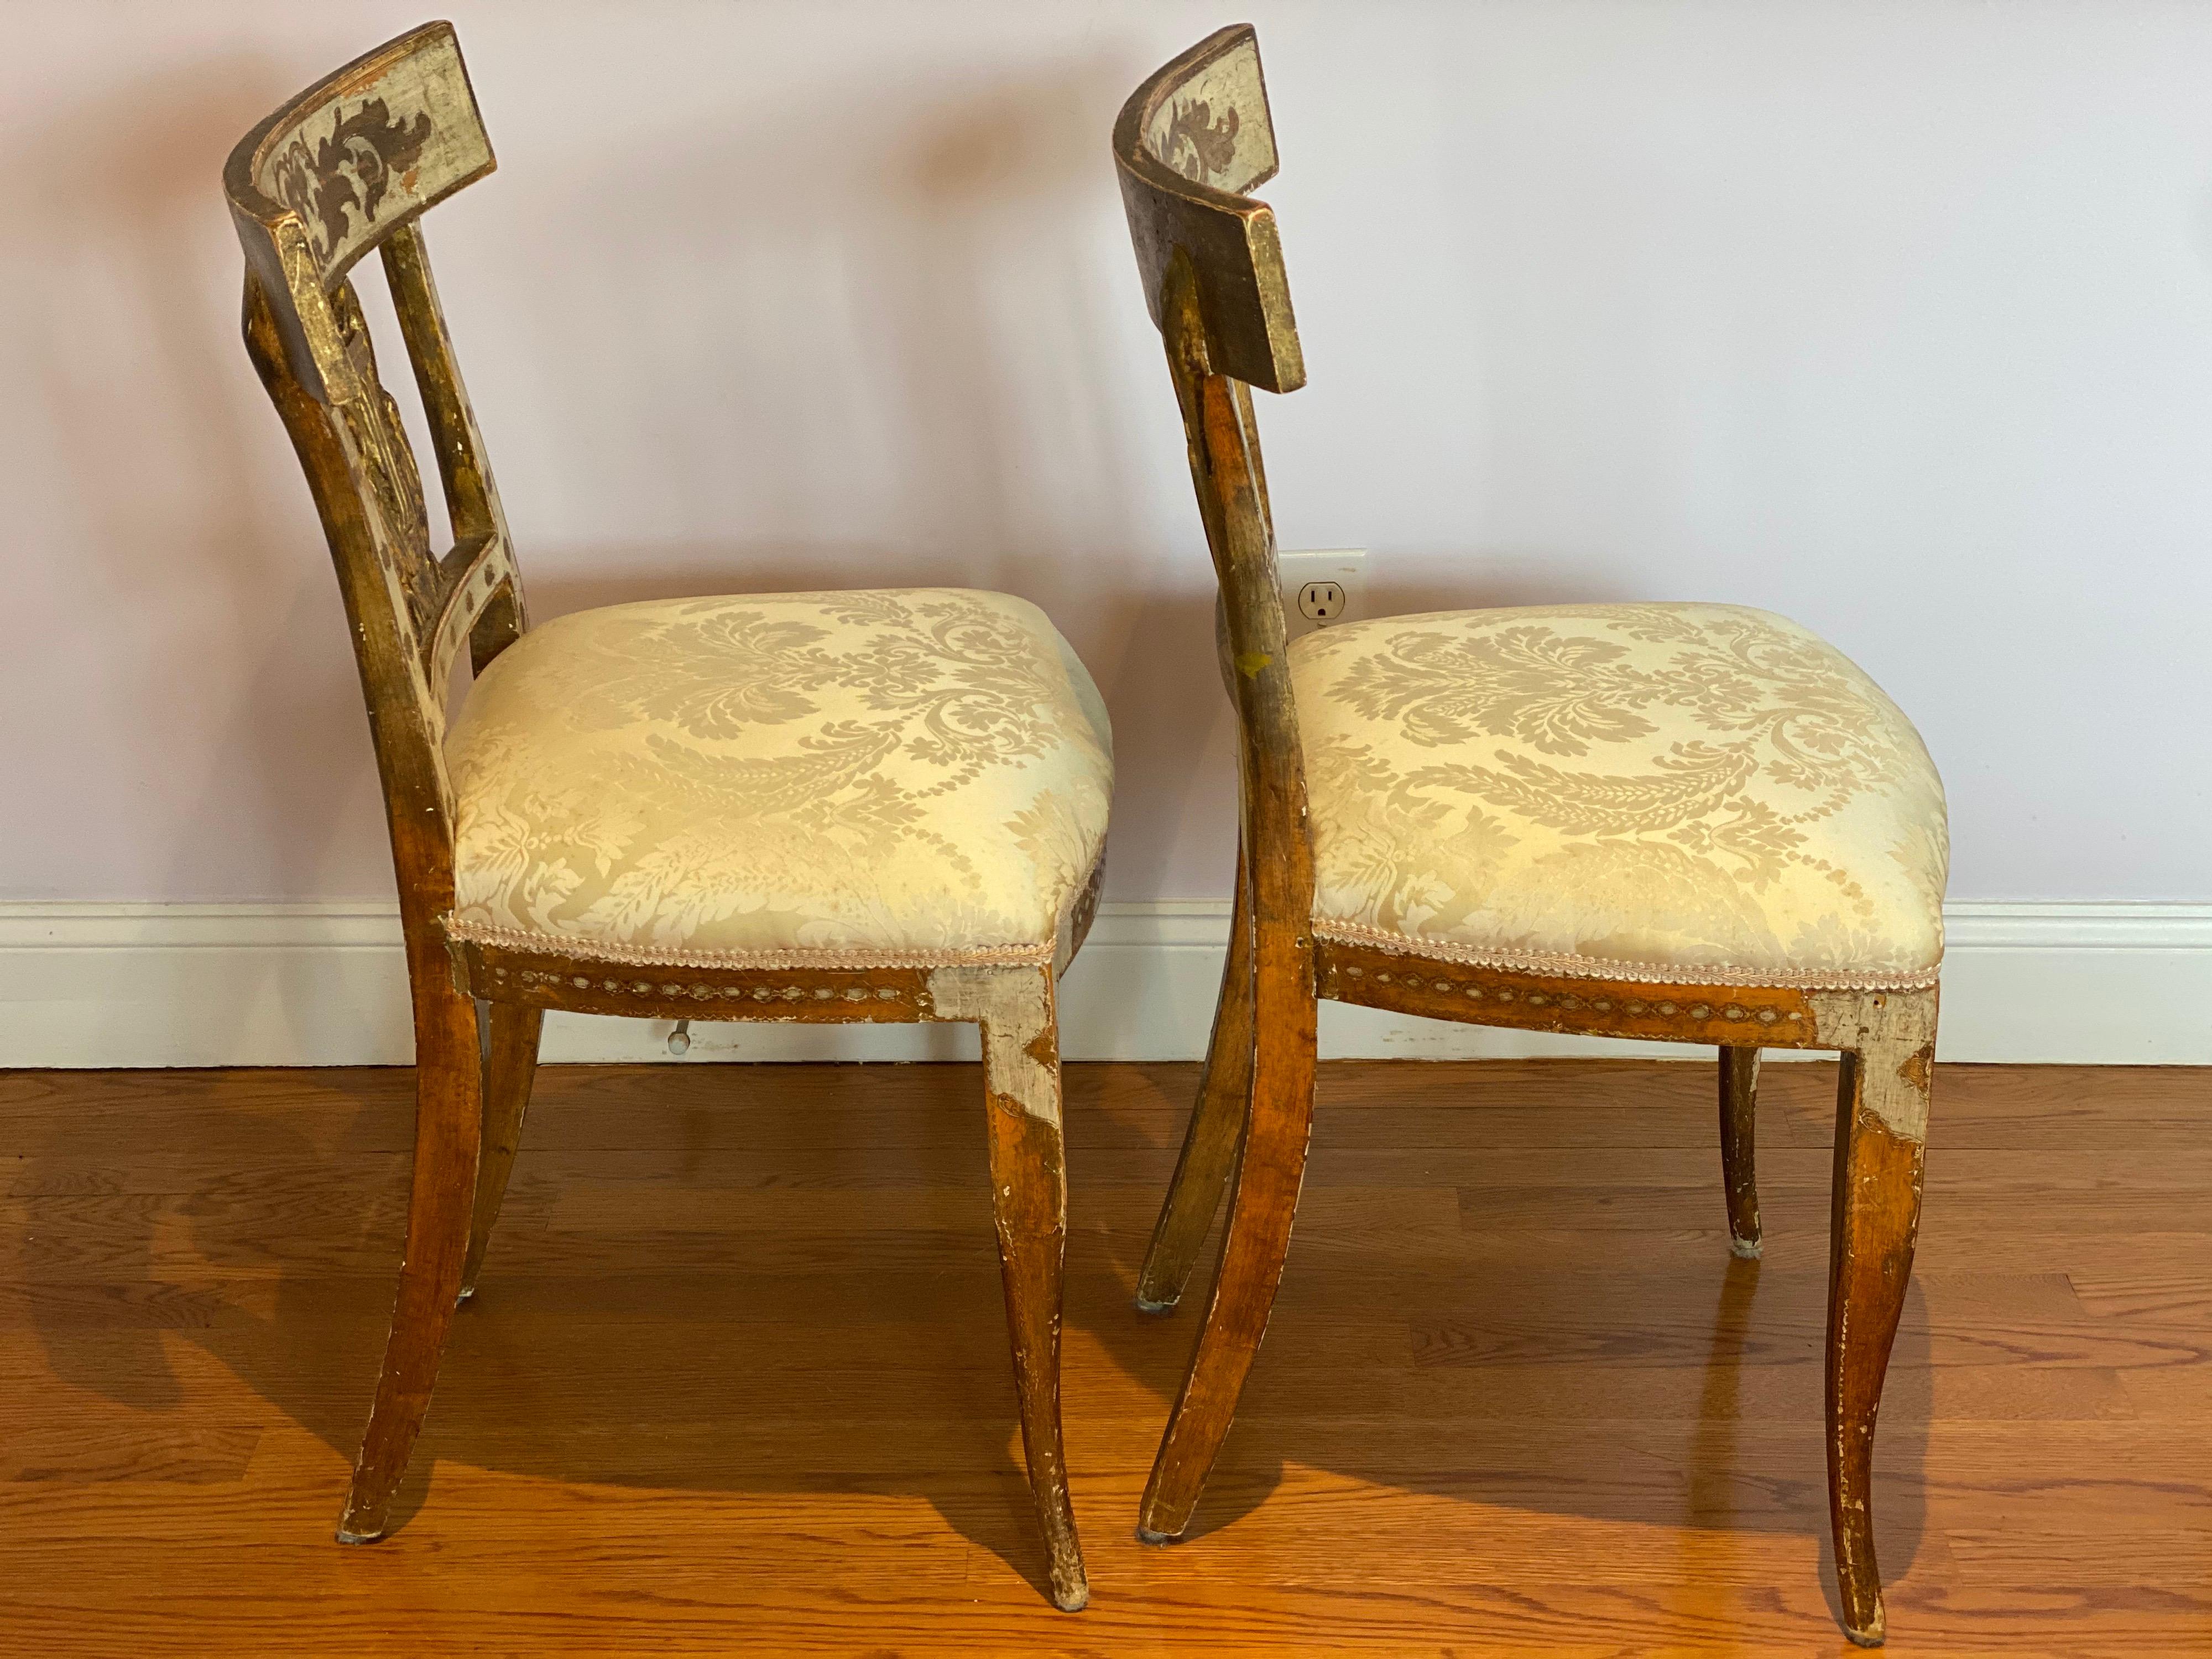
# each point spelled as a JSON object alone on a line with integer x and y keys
{"x": 1209, "y": 1146}
{"x": 448, "y": 1132}
{"x": 510, "y": 1064}
{"x": 1882, "y": 1126}
{"x": 1279, "y": 1124}
{"x": 1029, "y": 1197}
{"x": 1739, "y": 1138}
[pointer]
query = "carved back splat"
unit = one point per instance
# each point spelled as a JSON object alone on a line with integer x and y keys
{"x": 347, "y": 166}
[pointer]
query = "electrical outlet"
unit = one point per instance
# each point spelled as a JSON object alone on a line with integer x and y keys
{"x": 1320, "y": 602}
{"x": 1322, "y": 589}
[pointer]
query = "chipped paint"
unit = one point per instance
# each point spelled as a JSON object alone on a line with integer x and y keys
{"x": 1919, "y": 1068}
{"x": 1021, "y": 1036}
{"x": 1893, "y": 1034}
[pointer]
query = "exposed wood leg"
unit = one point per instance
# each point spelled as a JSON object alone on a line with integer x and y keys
{"x": 510, "y": 1064}
{"x": 448, "y": 1130}
{"x": 1209, "y": 1146}
{"x": 1029, "y": 1196}
{"x": 1277, "y": 1127}
{"x": 1881, "y": 1120}
{"x": 1739, "y": 1162}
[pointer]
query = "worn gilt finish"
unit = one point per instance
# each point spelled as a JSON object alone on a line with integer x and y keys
{"x": 1188, "y": 145}
{"x": 346, "y": 168}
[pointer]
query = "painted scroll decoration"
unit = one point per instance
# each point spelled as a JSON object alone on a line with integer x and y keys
{"x": 1212, "y": 127}
{"x": 349, "y": 172}
{"x": 376, "y": 152}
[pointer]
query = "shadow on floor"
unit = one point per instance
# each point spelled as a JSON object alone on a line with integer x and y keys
{"x": 798, "y": 1292}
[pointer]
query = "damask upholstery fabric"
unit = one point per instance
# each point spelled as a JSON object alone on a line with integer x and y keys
{"x": 911, "y": 777}
{"x": 1655, "y": 791}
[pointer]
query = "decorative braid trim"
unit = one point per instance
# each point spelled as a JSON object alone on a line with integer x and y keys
{"x": 1567, "y": 966}
{"x": 515, "y": 938}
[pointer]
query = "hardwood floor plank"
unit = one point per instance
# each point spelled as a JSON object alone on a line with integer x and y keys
{"x": 736, "y": 1376}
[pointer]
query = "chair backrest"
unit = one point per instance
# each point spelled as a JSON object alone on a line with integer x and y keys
{"x": 348, "y": 166}
{"x": 1189, "y": 141}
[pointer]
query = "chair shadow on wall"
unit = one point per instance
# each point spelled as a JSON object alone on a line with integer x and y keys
{"x": 140, "y": 166}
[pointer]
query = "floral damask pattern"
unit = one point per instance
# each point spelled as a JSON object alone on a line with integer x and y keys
{"x": 1702, "y": 788}
{"x": 911, "y": 776}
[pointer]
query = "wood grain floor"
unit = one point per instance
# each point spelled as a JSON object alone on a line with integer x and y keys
{"x": 736, "y": 1378}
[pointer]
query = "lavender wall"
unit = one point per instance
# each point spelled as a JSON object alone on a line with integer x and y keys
{"x": 1895, "y": 318}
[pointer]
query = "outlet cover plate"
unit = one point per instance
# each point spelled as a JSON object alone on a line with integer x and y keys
{"x": 1344, "y": 566}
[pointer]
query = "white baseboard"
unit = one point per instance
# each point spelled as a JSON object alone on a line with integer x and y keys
{"x": 325, "y": 985}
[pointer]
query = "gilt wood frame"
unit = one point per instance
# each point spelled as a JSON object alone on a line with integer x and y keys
{"x": 347, "y": 166}
{"x": 1212, "y": 265}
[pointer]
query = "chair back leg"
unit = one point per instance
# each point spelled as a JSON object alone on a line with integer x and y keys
{"x": 1739, "y": 1162}
{"x": 448, "y": 1132}
{"x": 510, "y": 1067}
{"x": 1278, "y": 1125}
{"x": 1209, "y": 1146}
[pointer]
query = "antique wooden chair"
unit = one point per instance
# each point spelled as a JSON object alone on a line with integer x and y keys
{"x": 864, "y": 806}
{"x": 1751, "y": 853}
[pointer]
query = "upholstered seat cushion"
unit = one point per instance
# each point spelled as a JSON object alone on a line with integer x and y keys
{"x": 910, "y": 777}
{"x": 1686, "y": 792}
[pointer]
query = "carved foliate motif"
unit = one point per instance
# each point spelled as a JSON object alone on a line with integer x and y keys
{"x": 388, "y": 463}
